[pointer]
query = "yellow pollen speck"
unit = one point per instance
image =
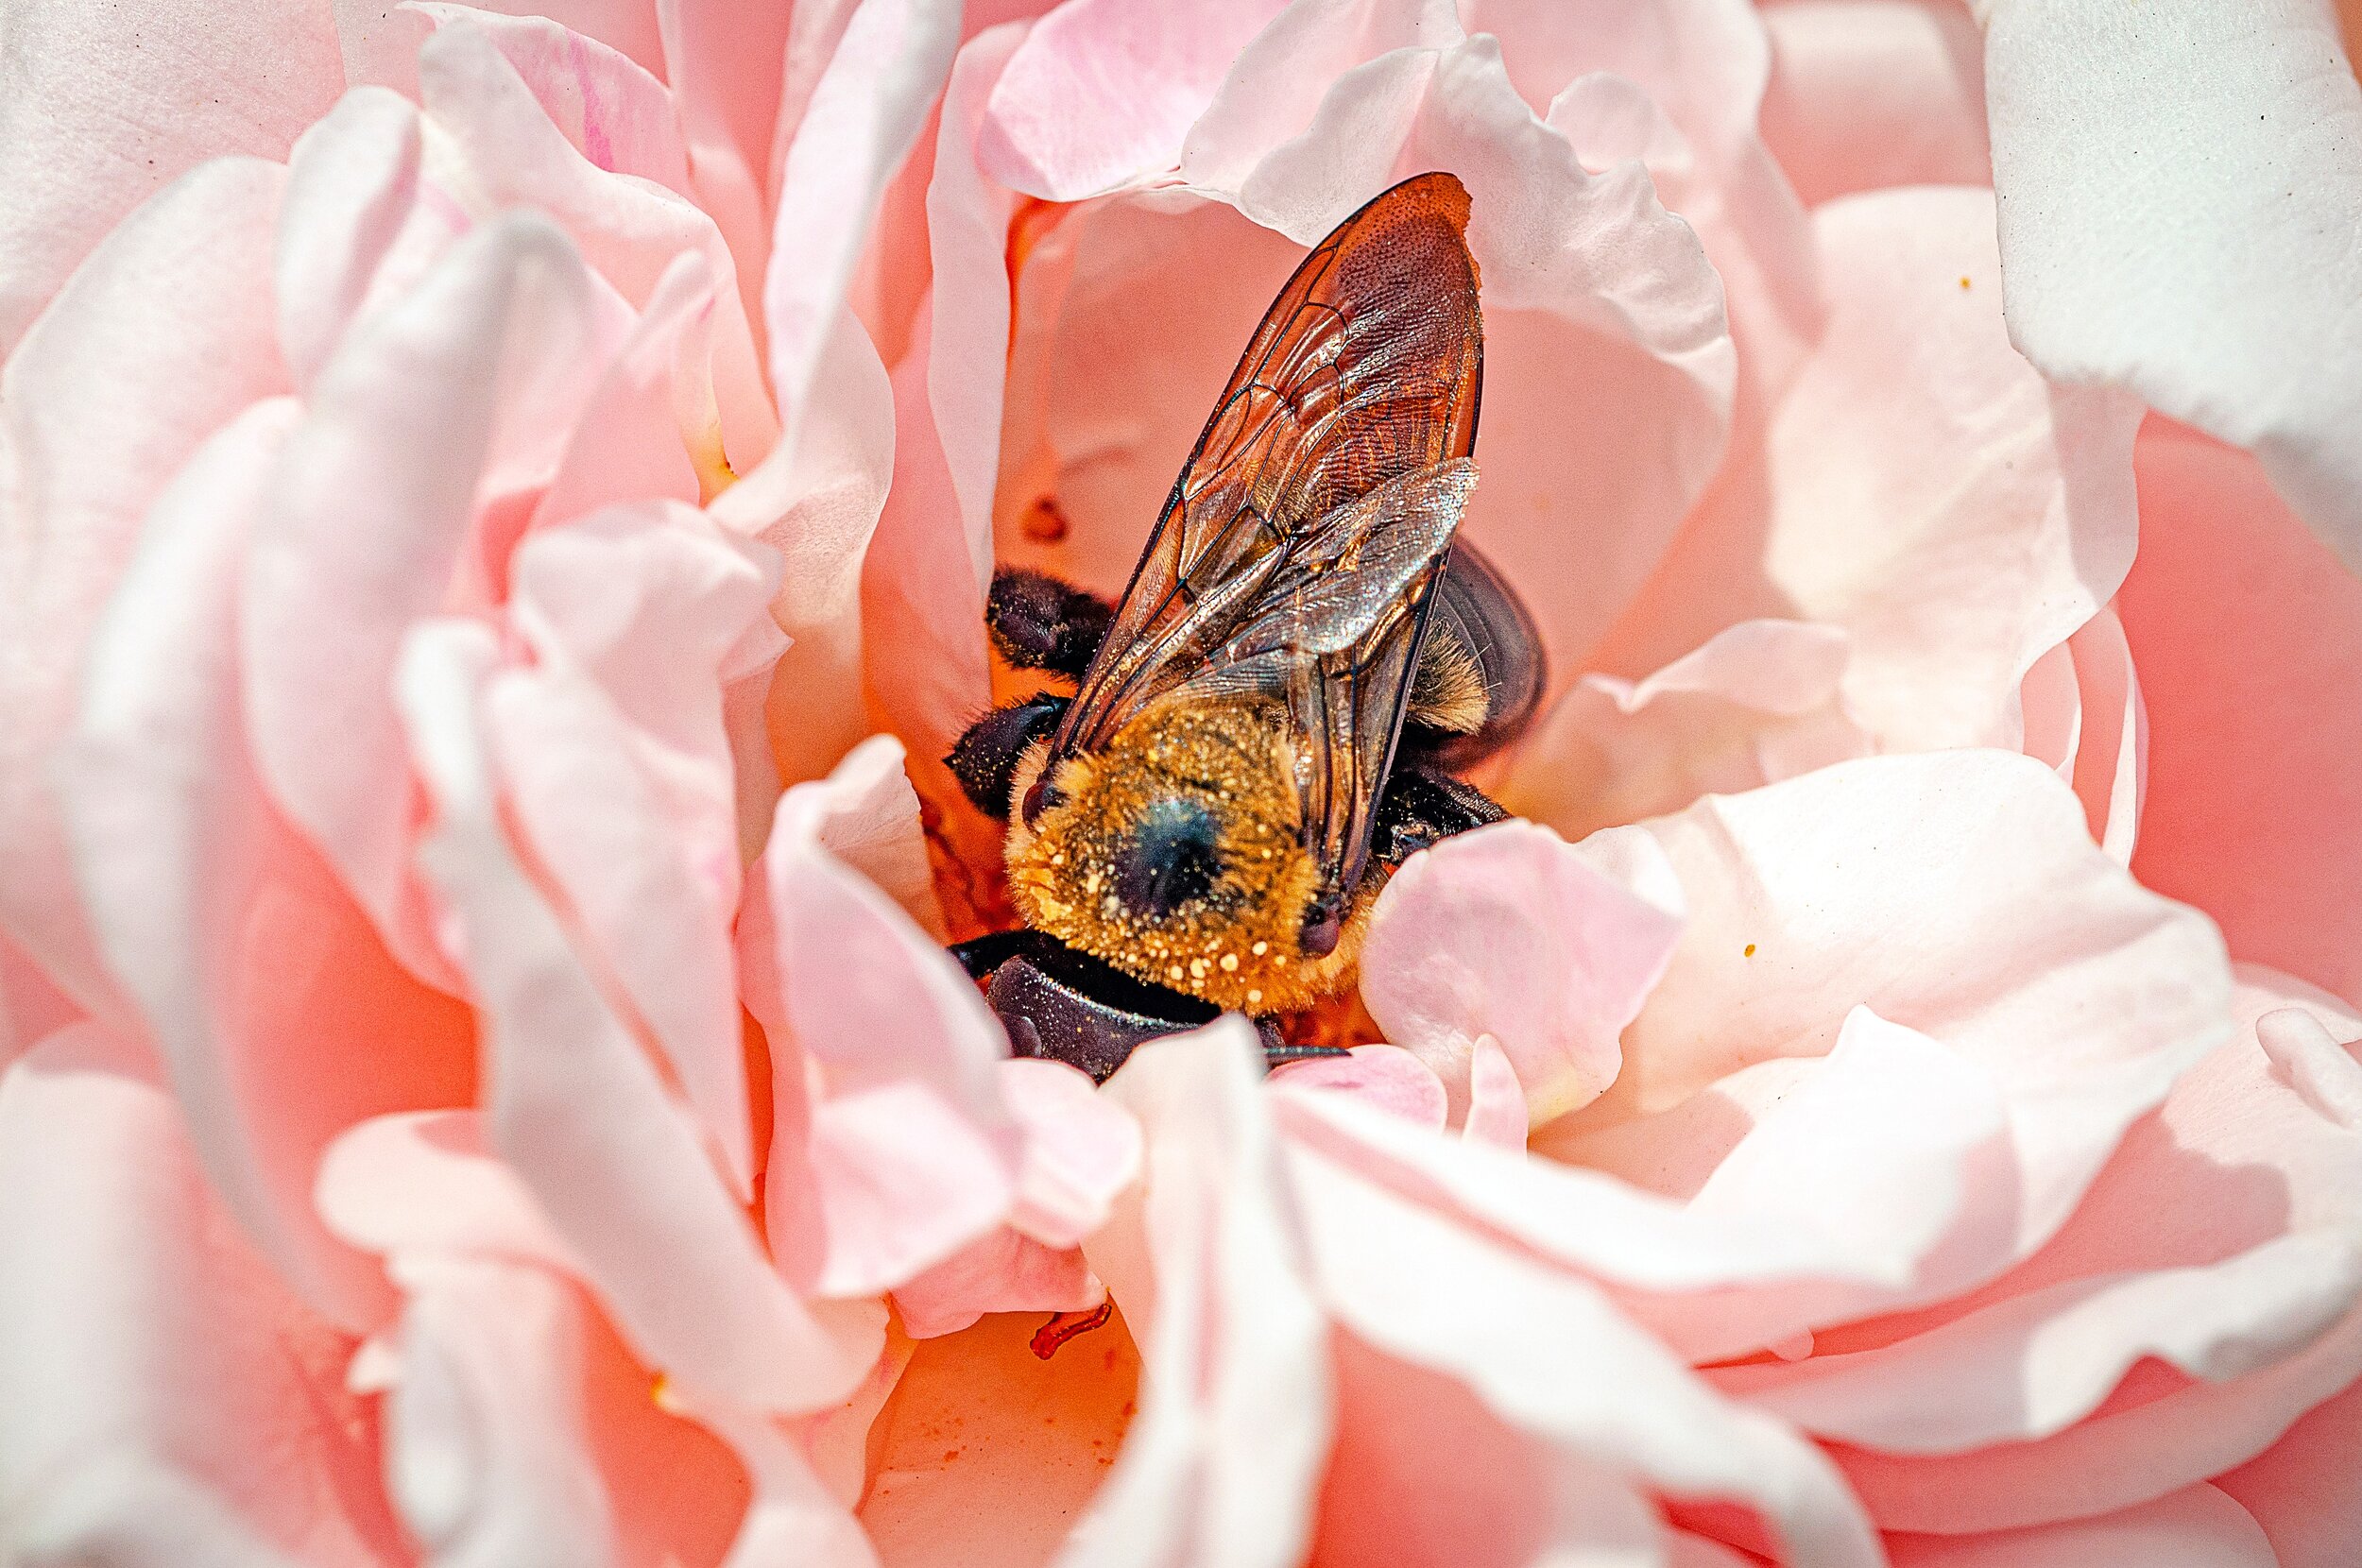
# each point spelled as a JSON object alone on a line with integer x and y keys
{"x": 1259, "y": 949}
{"x": 1229, "y": 964}
{"x": 1750, "y": 952}
{"x": 1254, "y": 996}
{"x": 1963, "y": 282}
{"x": 1058, "y": 859}
{"x": 1197, "y": 968}
{"x": 1172, "y": 972}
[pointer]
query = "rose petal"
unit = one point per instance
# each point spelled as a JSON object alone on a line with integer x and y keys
{"x": 2249, "y": 642}
{"x": 1104, "y": 91}
{"x": 1509, "y": 932}
{"x": 487, "y": 1457}
{"x": 170, "y": 1401}
{"x": 792, "y": 1521}
{"x": 1497, "y": 1100}
{"x": 376, "y": 495}
{"x": 1546, "y": 1354}
{"x": 2244, "y": 324}
{"x": 893, "y": 1146}
{"x": 1226, "y": 1453}
{"x": 1001, "y": 1271}
{"x": 1760, "y": 702}
{"x": 1991, "y": 924}
{"x": 2304, "y": 1489}
{"x": 1930, "y": 493}
{"x": 576, "y": 1108}
{"x": 163, "y": 336}
{"x": 258, "y": 981}
{"x": 1081, "y": 1150}
{"x": 1393, "y": 1079}
{"x": 2197, "y": 1527}
{"x": 2111, "y": 753}
{"x": 104, "y": 108}
{"x": 1866, "y": 94}
{"x": 425, "y": 1182}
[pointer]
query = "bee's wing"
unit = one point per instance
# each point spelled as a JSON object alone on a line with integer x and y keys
{"x": 1297, "y": 555}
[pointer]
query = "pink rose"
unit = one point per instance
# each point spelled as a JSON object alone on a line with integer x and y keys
{"x": 495, "y": 513}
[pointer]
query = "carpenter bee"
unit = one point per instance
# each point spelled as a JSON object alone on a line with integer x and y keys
{"x": 1267, "y": 723}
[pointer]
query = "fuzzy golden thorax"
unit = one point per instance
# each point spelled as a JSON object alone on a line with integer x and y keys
{"x": 1229, "y": 766}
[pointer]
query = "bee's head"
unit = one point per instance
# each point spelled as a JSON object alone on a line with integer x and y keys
{"x": 1175, "y": 855}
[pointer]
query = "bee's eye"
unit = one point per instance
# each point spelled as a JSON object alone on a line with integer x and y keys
{"x": 1173, "y": 858}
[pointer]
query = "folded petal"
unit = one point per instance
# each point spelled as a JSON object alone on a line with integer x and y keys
{"x": 170, "y": 1401}
{"x": 2197, "y": 1527}
{"x": 2238, "y": 314}
{"x": 1104, "y": 91}
{"x": 1547, "y": 948}
{"x": 103, "y": 108}
{"x": 1760, "y": 702}
{"x": 1868, "y": 93}
{"x": 163, "y": 336}
{"x": 576, "y": 1107}
{"x": 1930, "y": 493}
{"x": 2249, "y": 642}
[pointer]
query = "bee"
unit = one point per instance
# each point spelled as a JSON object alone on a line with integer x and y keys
{"x": 1269, "y": 722}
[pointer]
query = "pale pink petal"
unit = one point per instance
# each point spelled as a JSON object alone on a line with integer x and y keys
{"x": 380, "y": 41}
{"x": 1808, "y": 1220}
{"x": 576, "y": 1108}
{"x": 650, "y": 430}
{"x": 2305, "y": 1489}
{"x": 2189, "y": 245}
{"x": 1930, "y": 493}
{"x": 2112, "y": 750}
{"x": 1002, "y": 1271}
{"x": 867, "y": 111}
{"x": 817, "y": 506}
{"x": 867, "y": 814}
{"x": 352, "y": 223}
{"x": 1271, "y": 92}
{"x": 279, "y": 1019}
{"x": 1223, "y": 1461}
{"x": 628, "y": 230}
{"x": 979, "y": 1429}
{"x": 1497, "y": 1100}
{"x": 31, "y": 1006}
{"x": 476, "y": 374}
{"x": 1867, "y": 93}
{"x": 2197, "y": 1527}
{"x": 892, "y": 1145}
{"x": 1394, "y": 1080}
{"x": 424, "y": 1182}
{"x": 1760, "y": 702}
{"x": 101, "y": 107}
{"x": 163, "y": 336}
{"x": 722, "y": 62}
{"x": 169, "y": 1400}
{"x": 1509, "y": 931}
{"x": 790, "y": 1521}
{"x": 1424, "y": 1476}
{"x": 1104, "y": 91}
{"x": 2249, "y": 642}
{"x": 488, "y": 1455}
{"x": 926, "y": 617}
{"x": 1957, "y": 894}
{"x": 1081, "y": 1149}
{"x": 2204, "y": 1295}
{"x": 613, "y": 746}
{"x": 1546, "y": 1354}
{"x": 615, "y": 114}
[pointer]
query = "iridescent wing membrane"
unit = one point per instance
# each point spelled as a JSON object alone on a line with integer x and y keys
{"x": 1297, "y": 556}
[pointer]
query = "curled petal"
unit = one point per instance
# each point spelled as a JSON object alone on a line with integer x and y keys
{"x": 2244, "y": 325}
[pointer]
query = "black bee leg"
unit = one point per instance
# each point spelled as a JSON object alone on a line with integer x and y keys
{"x": 1421, "y": 807}
{"x": 1038, "y": 623}
{"x": 984, "y": 758}
{"x": 1280, "y": 1055}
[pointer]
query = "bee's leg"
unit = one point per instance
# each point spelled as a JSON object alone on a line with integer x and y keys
{"x": 1421, "y": 807}
{"x": 1038, "y": 623}
{"x": 984, "y": 758}
{"x": 1278, "y": 1054}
